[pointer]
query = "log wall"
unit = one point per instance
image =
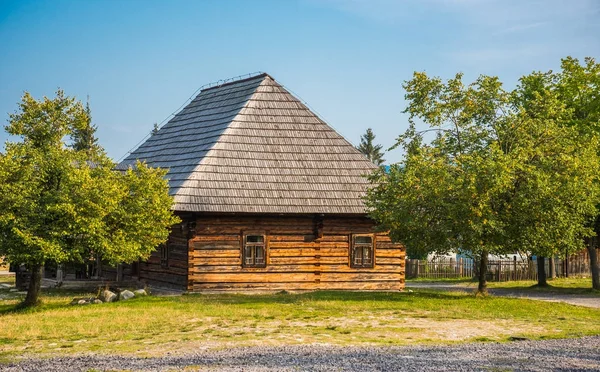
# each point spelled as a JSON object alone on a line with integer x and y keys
{"x": 175, "y": 273}
{"x": 296, "y": 258}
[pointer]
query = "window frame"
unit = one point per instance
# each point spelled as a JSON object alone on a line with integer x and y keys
{"x": 256, "y": 245}
{"x": 354, "y": 246}
{"x": 164, "y": 255}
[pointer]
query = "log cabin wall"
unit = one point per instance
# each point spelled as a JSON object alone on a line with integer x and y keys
{"x": 169, "y": 270}
{"x": 296, "y": 258}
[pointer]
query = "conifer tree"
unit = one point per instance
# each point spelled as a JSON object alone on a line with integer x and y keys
{"x": 370, "y": 150}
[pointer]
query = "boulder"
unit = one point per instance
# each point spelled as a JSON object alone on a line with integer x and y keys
{"x": 97, "y": 301}
{"x": 140, "y": 292}
{"x": 125, "y": 295}
{"x": 82, "y": 301}
{"x": 107, "y": 296}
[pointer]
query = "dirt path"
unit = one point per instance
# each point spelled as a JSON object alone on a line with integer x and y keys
{"x": 573, "y": 299}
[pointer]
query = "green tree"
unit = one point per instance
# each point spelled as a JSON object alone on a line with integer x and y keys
{"x": 63, "y": 205}
{"x": 84, "y": 137}
{"x": 578, "y": 86}
{"x": 495, "y": 179}
{"x": 155, "y": 129}
{"x": 557, "y": 174}
{"x": 370, "y": 150}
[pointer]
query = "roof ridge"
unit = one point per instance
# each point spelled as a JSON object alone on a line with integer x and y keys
{"x": 231, "y": 81}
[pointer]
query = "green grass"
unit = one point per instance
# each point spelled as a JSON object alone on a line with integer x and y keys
{"x": 157, "y": 325}
{"x": 7, "y": 279}
{"x": 558, "y": 285}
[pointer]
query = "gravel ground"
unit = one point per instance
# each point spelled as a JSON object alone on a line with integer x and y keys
{"x": 581, "y": 354}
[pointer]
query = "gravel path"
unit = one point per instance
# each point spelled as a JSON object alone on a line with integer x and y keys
{"x": 573, "y": 299}
{"x": 552, "y": 355}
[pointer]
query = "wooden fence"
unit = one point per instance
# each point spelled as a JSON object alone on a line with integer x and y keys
{"x": 498, "y": 270}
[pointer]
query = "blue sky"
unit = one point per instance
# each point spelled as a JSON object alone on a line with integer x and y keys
{"x": 140, "y": 60}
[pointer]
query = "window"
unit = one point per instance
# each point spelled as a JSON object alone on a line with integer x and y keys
{"x": 254, "y": 251}
{"x": 362, "y": 252}
{"x": 164, "y": 255}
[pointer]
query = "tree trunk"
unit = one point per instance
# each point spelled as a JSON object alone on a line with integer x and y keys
{"x": 591, "y": 247}
{"x": 35, "y": 283}
{"x": 551, "y": 271}
{"x": 483, "y": 264}
{"x": 541, "y": 272}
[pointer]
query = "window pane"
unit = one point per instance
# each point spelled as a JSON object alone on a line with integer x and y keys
{"x": 260, "y": 255}
{"x": 255, "y": 238}
{"x": 362, "y": 240}
{"x": 248, "y": 255}
{"x": 367, "y": 255}
{"x": 358, "y": 256}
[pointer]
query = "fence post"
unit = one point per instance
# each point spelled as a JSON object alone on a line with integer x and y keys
{"x": 498, "y": 270}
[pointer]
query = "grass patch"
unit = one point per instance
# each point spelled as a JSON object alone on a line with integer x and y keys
{"x": 7, "y": 279}
{"x": 159, "y": 325}
{"x": 558, "y": 285}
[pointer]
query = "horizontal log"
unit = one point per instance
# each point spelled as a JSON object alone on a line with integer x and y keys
{"x": 389, "y": 260}
{"x": 216, "y": 253}
{"x": 308, "y": 260}
{"x": 219, "y": 238}
{"x": 179, "y": 271}
{"x": 177, "y": 240}
{"x": 215, "y": 245}
{"x": 262, "y": 277}
{"x": 291, "y": 286}
{"x": 308, "y": 252}
{"x": 362, "y": 286}
{"x": 216, "y": 260}
{"x": 251, "y": 285}
{"x": 360, "y": 276}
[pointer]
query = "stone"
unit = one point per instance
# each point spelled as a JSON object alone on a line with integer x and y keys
{"x": 82, "y": 302}
{"x": 140, "y": 292}
{"x": 125, "y": 295}
{"x": 97, "y": 301}
{"x": 107, "y": 296}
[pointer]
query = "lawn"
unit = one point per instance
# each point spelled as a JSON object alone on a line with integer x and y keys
{"x": 179, "y": 324}
{"x": 7, "y": 279}
{"x": 558, "y": 285}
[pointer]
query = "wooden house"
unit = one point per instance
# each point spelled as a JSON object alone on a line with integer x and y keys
{"x": 269, "y": 195}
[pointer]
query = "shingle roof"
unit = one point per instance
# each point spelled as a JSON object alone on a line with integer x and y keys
{"x": 251, "y": 146}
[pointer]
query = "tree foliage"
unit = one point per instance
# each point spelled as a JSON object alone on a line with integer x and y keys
{"x": 61, "y": 204}
{"x": 503, "y": 173}
{"x": 369, "y": 149}
{"x": 84, "y": 136}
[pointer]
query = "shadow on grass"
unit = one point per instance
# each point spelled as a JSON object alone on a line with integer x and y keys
{"x": 47, "y": 294}
{"x": 286, "y": 298}
{"x": 550, "y": 289}
{"x": 240, "y": 299}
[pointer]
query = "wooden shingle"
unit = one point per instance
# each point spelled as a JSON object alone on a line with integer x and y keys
{"x": 250, "y": 146}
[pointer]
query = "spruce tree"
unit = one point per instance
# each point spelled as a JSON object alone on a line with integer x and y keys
{"x": 84, "y": 138}
{"x": 370, "y": 150}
